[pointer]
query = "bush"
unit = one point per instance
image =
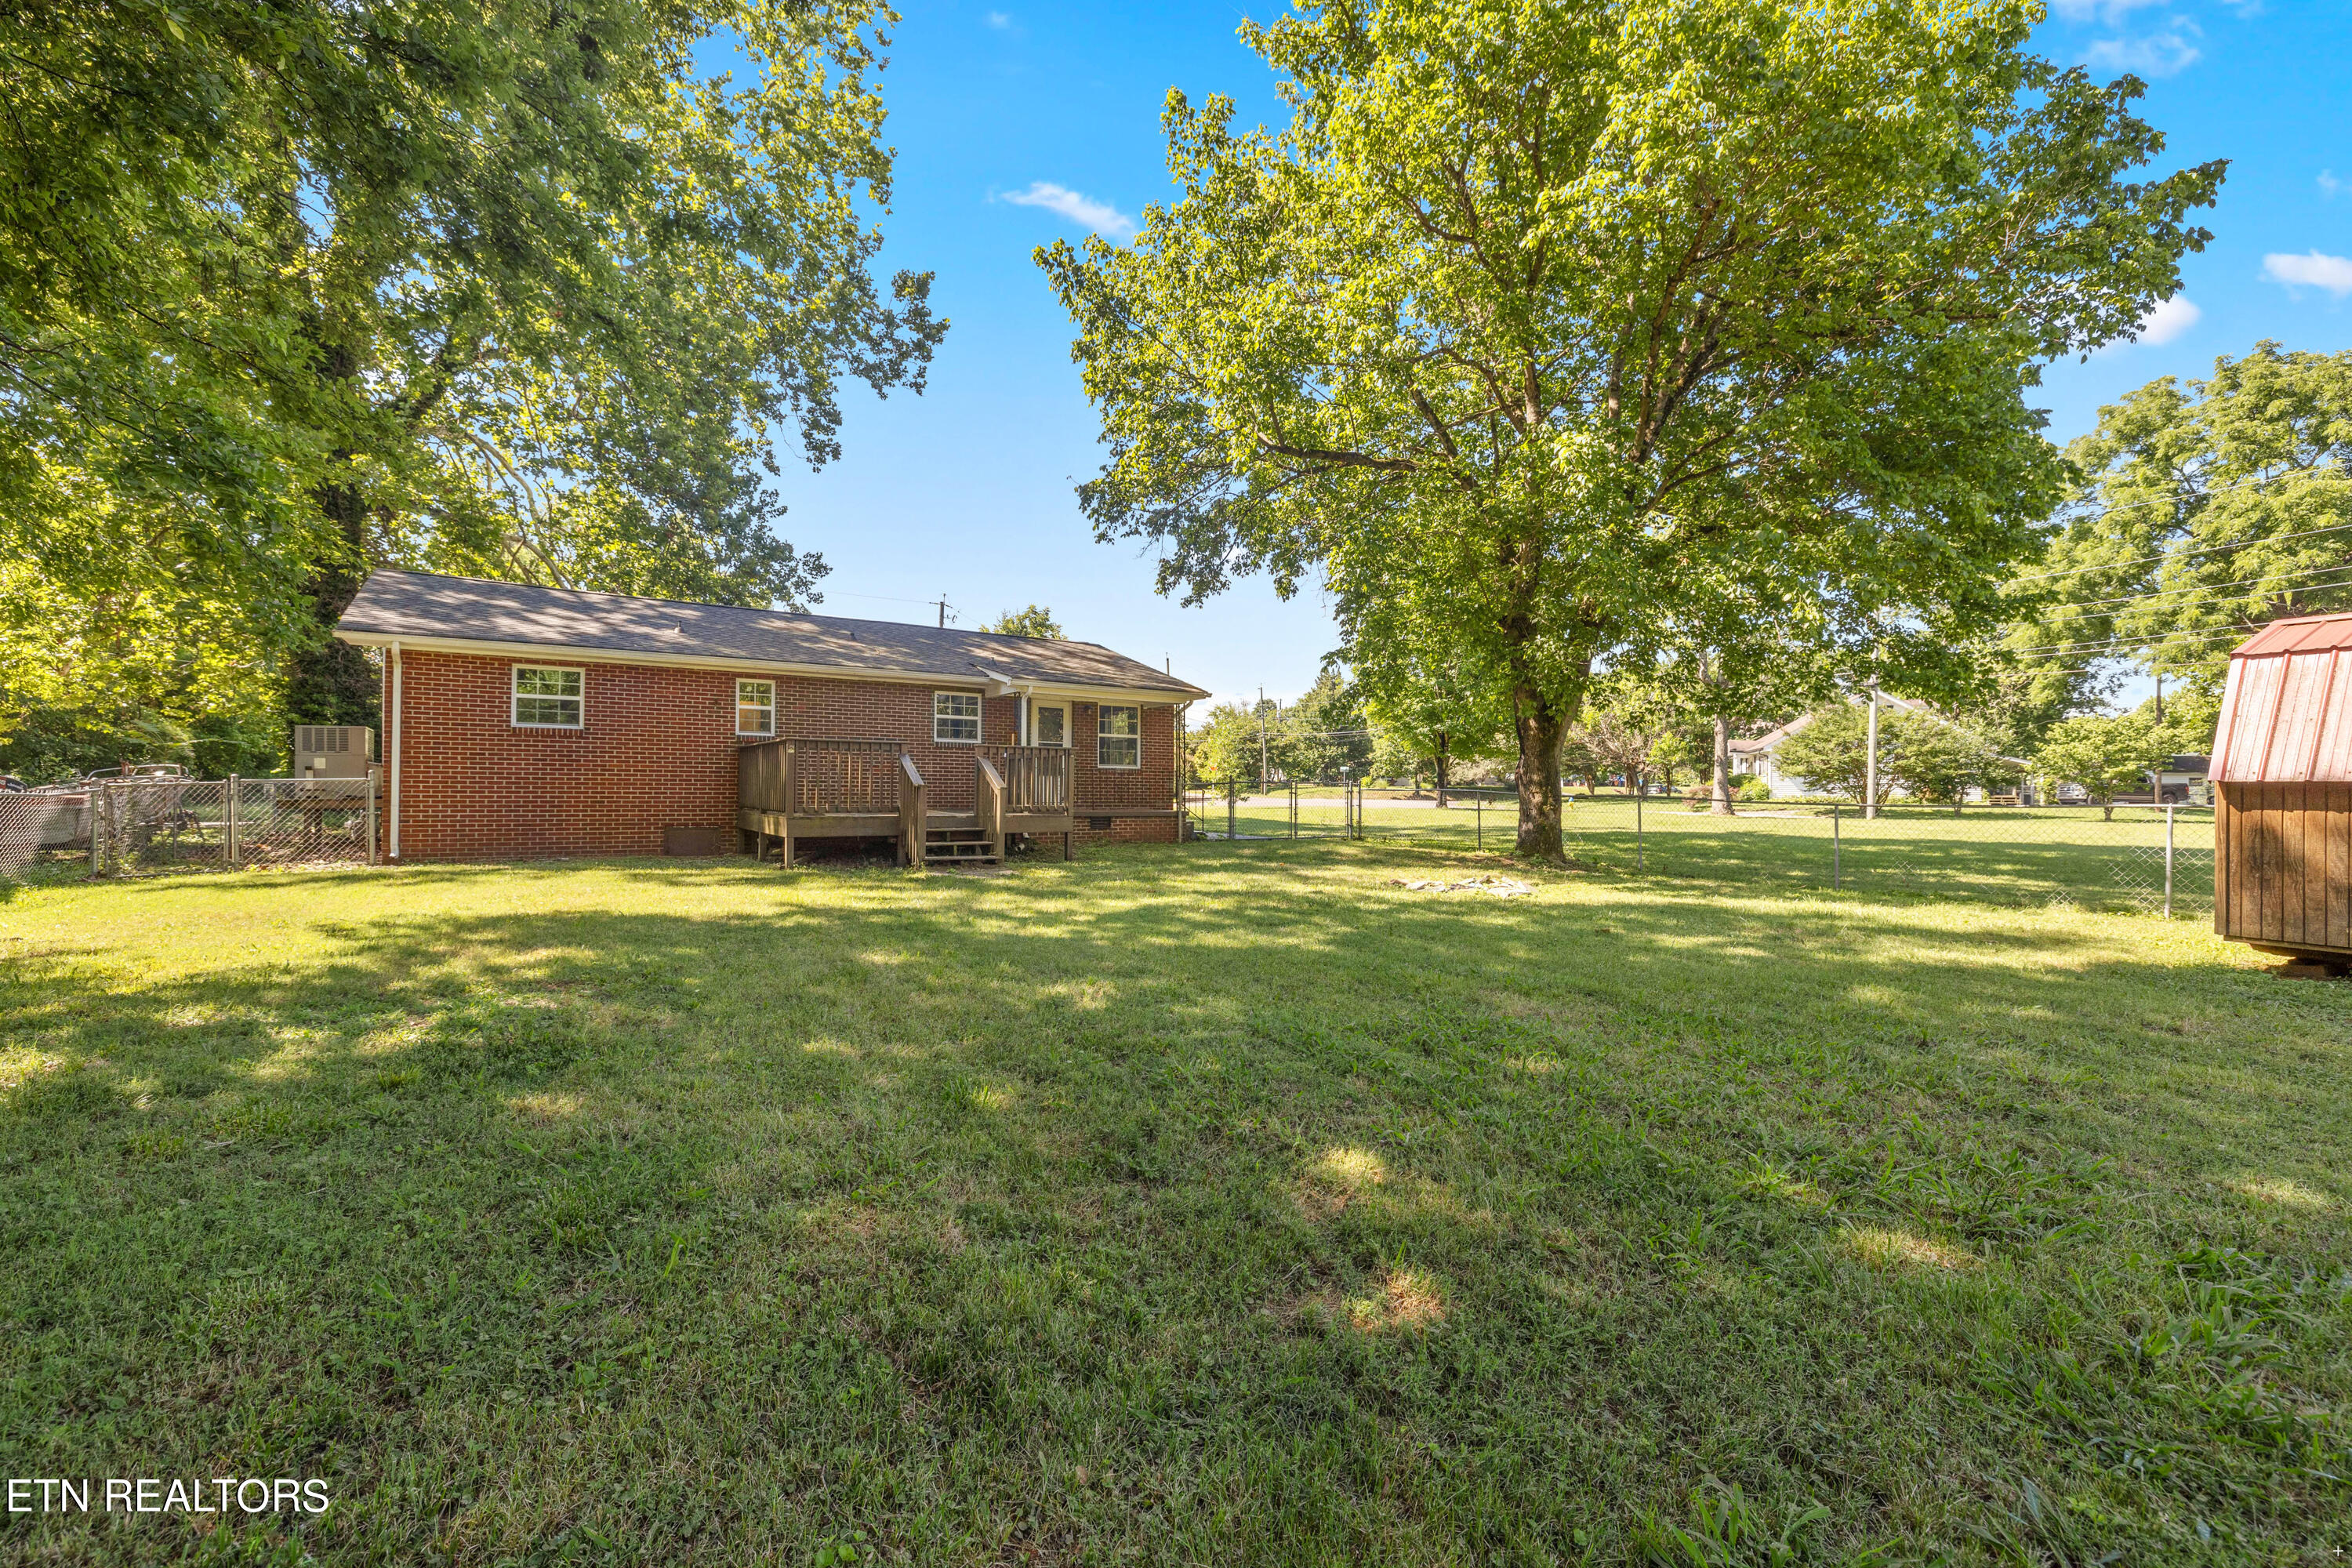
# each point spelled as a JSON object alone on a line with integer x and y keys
{"x": 1755, "y": 789}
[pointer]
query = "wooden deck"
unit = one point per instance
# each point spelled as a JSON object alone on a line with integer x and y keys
{"x": 822, "y": 787}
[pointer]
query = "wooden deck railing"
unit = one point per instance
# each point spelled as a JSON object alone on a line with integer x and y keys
{"x": 820, "y": 776}
{"x": 912, "y": 819}
{"x": 1036, "y": 779}
{"x": 988, "y": 801}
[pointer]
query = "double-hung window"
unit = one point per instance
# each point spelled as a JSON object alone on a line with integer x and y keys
{"x": 755, "y": 707}
{"x": 1119, "y": 737}
{"x": 548, "y": 698}
{"x": 955, "y": 717}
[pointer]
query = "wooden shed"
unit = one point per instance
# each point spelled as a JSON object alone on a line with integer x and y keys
{"x": 2282, "y": 775}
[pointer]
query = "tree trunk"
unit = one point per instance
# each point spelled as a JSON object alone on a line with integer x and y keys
{"x": 1537, "y": 722}
{"x": 1441, "y": 770}
{"x": 1722, "y": 767}
{"x": 328, "y": 681}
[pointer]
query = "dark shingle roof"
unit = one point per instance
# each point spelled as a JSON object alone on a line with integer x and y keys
{"x": 423, "y": 605}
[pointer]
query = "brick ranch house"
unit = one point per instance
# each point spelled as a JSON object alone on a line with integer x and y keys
{"x": 521, "y": 721}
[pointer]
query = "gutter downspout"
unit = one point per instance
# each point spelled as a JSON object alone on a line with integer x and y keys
{"x": 394, "y": 737}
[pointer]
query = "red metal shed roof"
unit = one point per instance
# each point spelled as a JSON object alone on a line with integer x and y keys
{"x": 2286, "y": 711}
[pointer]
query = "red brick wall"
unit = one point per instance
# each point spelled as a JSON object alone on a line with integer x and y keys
{"x": 1128, "y": 830}
{"x": 658, "y": 750}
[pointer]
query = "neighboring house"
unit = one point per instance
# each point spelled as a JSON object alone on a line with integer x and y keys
{"x": 2181, "y": 781}
{"x": 1761, "y": 755}
{"x": 522, "y": 722}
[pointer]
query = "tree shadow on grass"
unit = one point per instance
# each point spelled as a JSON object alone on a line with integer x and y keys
{"x": 877, "y": 1195}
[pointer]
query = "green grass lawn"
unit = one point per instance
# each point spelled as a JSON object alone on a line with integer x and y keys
{"x": 2078, "y": 856}
{"x": 1218, "y": 1205}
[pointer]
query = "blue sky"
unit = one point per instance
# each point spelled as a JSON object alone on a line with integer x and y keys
{"x": 1016, "y": 124}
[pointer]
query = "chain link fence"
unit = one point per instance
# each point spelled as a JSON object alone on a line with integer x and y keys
{"x": 112, "y": 827}
{"x": 2151, "y": 857}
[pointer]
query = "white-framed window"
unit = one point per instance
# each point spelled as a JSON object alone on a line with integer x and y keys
{"x": 755, "y": 707}
{"x": 1119, "y": 737}
{"x": 955, "y": 717}
{"x": 549, "y": 697}
{"x": 1049, "y": 724}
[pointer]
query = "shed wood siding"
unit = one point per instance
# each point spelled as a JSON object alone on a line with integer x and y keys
{"x": 2283, "y": 859}
{"x": 657, "y": 750}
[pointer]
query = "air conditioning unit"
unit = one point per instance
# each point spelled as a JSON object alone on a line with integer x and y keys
{"x": 332, "y": 751}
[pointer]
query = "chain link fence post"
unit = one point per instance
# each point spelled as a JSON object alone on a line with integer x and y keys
{"x": 1837, "y": 847}
{"x": 2168, "y": 860}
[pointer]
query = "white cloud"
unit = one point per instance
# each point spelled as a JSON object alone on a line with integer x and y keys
{"x": 998, "y": 20}
{"x": 2329, "y": 183}
{"x": 2316, "y": 270}
{"x": 1083, "y": 210}
{"x": 2154, "y": 55}
{"x": 2167, "y": 319}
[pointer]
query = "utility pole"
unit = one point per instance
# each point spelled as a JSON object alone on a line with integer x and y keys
{"x": 1264, "y": 774}
{"x": 2159, "y": 697}
{"x": 1870, "y": 763}
{"x": 943, "y": 612}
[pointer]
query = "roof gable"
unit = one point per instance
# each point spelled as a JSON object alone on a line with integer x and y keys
{"x": 423, "y": 606}
{"x": 2286, "y": 708}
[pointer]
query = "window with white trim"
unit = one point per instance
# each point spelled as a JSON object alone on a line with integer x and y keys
{"x": 548, "y": 697}
{"x": 1049, "y": 724}
{"x": 955, "y": 717}
{"x": 1119, "y": 737}
{"x": 755, "y": 707}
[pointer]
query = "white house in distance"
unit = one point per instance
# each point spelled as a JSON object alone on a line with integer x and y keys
{"x": 1761, "y": 756}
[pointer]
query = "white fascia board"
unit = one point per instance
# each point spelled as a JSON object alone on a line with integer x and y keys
{"x": 965, "y": 678}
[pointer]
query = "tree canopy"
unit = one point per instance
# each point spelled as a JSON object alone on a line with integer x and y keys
{"x": 291, "y": 291}
{"x": 1438, "y": 712}
{"x": 1545, "y": 323}
{"x": 1036, "y": 621}
{"x": 2108, "y": 756}
{"x": 2206, "y": 511}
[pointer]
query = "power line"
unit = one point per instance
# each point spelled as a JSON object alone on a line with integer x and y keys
{"x": 2151, "y": 598}
{"x": 2183, "y": 555}
{"x": 2221, "y": 489}
{"x": 2076, "y": 650}
{"x": 885, "y": 598}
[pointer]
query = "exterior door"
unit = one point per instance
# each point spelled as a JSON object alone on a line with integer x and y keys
{"x": 1049, "y": 724}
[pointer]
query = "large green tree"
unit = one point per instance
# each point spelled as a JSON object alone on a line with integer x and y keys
{"x": 501, "y": 288}
{"x": 2108, "y": 756}
{"x": 2207, "y": 509}
{"x": 1830, "y": 752}
{"x": 1543, "y": 317}
{"x": 1436, "y": 709}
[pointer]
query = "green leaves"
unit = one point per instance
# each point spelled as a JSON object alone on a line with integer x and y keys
{"x": 292, "y": 291}
{"x": 2209, "y": 509}
{"x": 1551, "y": 334}
{"x": 2107, "y": 756}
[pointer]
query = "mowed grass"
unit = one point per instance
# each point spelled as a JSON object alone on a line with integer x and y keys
{"x": 2003, "y": 853}
{"x": 1216, "y": 1205}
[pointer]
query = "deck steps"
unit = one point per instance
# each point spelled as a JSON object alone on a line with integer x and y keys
{"x": 958, "y": 846}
